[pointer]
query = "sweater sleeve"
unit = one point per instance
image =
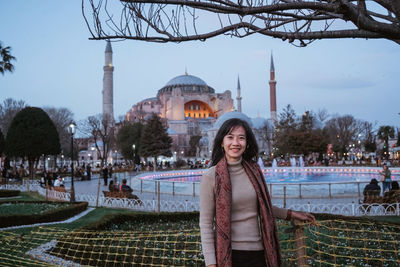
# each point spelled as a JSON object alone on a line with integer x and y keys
{"x": 279, "y": 213}
{"x": 207, "y": 214}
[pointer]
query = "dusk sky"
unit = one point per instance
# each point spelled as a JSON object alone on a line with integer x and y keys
{"x": 57, "y": 65}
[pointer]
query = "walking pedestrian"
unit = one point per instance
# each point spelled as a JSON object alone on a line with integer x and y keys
{"x": 105, "y": 175}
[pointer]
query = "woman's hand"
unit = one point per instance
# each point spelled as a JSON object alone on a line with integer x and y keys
{"x": 212, "y": 265}
{"x": 304, "y": 217}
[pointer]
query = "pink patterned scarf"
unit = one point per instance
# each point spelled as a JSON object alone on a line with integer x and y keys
{"x": 223, "y": 205}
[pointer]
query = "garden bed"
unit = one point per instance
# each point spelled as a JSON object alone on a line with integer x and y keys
{"x": 29, "y": 208}
{"x": 173, "y": 239}
{"x": 141, "y": 239}
{"x": 14, "y": 213}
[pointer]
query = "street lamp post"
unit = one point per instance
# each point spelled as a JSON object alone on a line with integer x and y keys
{"x": 134, "y": 154}
{"x": 71, "y": 131}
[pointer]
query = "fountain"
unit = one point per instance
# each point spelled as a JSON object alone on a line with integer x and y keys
{"x": 293, "y": 162}
{"x": 274, "y": 164}
{"x": 301, "y": 161}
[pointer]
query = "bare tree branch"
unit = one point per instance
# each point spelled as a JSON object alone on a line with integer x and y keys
{"x": 100, "y": 129}
{"x": 300, "y": 22}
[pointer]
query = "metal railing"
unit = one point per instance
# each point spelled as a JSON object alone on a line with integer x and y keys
{"x": 176, "y": 205}
{"x": 158, "y": 195}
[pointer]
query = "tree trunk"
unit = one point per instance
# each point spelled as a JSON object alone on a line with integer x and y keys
{"x": 55, "y": 162}
{"x": 31, "y": 164}
{"x": 44, "y": 162}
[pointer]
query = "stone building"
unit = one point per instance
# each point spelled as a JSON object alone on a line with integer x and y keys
{"x": 187, "y": 104}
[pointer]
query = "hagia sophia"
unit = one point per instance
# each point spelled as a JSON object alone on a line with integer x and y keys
{"x": 189, "y": 106}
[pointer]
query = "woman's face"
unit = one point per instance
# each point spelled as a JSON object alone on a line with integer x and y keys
{"x": 234, "y": 143}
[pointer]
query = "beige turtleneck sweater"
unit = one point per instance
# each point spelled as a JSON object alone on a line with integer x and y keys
{"x": 245, "y": 229}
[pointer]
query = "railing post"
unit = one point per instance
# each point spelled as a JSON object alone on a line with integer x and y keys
{"x": 359, "y": 192}
{"x": 141, "y": 185}
{"x": 353, "y": 209}
{"x": 299, "y": 243}
{"x": 158, "y": 198}
{"x": 397, "y": 209}
{"x": 194, "y": 189}
{"x": 173, "y": 188}
{"x": 155, "y": 186}
{"x": 300, "y": 191}
{"x": 284, "y": 197}
{"x": 98, "y": 193}
{"x": 330, "y": 191}
{"x": 46, "y": 184}
{"x": 270, "y": 189}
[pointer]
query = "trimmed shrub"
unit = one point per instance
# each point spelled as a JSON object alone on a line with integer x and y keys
{"x": 55, "y": 215}
{"x": 107, "y": 221}
{"x": 9, "y": 193}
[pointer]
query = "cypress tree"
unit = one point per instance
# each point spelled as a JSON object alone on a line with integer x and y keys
{"x": 155, "y": 140}
{"x": 2, "y": 143}
{"x": 32, "y": 134}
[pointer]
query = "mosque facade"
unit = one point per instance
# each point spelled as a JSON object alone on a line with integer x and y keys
{"x": 190, "y": 107}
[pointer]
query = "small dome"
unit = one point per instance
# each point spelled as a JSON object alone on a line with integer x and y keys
{"x": 204, "y": 141}
{"x": 187, "y": 83}
{"x": 149, "y": 100}
{"x": 186, "y": 80}
{"x": 232, "y": 115}
{"x": 258, "y": 122}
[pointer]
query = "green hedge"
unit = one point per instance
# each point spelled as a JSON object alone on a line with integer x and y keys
{"x": 9, "y": 193}
{"x": 50, "y": 216}
{"x": 112, "y": 219}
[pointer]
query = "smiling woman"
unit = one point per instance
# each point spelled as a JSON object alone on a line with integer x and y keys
{"x": 237, "y": 219}
{"x": 234, "y": 143}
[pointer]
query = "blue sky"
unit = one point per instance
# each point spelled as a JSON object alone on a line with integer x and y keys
{"x": 58, "y": 66}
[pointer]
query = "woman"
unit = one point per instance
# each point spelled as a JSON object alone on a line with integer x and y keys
{"x": 237, "y": 219}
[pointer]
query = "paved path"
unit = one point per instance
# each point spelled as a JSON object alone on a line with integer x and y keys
{"x": 90, "y": 187}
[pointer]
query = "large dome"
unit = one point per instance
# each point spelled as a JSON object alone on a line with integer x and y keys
{"x": 232, "y": 115}
{"x": 186, "y": 80}
{"x": 187, "y": 83}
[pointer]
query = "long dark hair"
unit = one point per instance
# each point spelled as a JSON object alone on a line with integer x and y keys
{"x": 251, "y": 151}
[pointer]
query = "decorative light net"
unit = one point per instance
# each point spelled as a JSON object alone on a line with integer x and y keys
{"x": 330, "y": 243}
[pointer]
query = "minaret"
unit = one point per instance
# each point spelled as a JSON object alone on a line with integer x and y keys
{"x": 239, "y": 97}
{"x": 108, "y": 102}
{"x": 272, "y": 91}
